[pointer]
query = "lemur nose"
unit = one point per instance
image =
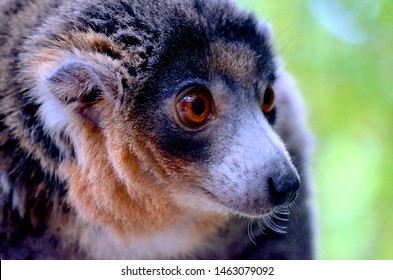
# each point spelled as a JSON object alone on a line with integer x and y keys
{"x": 282, "y": 189}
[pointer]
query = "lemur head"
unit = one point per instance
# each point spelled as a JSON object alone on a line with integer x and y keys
{"x": 162, "y": 109}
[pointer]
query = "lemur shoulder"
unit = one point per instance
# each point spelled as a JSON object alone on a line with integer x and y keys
{"x": 148, "y": 129}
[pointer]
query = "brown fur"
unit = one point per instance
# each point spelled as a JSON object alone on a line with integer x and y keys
{"x": 85, "y": 170}
{"x": 235, "y": 61}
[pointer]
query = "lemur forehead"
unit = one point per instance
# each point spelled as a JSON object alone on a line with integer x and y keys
{"x": 234, "y": 60}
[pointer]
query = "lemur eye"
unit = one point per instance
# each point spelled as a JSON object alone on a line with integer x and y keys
{"x": 194, "y": 108}
{"x": 268, "y": 100}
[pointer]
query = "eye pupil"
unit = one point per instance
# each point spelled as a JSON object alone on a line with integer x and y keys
{"x": 268, "y": 100}
{"x": 198, "y": 106}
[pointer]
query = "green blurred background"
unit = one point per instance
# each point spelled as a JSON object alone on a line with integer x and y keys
{"x": 341, "y": 53}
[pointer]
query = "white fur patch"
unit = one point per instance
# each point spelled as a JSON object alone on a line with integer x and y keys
{"x": 174, "y": 241}
{"x": 52, "y": 112}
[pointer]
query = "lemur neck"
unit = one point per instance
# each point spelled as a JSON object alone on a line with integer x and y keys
{"x": 114, "y": 224}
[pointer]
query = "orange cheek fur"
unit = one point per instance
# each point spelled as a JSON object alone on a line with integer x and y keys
{"x": 109, "y": 184}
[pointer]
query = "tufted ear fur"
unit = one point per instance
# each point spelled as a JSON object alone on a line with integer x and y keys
{"x": 81, "y": 86}
{"x": 75, "y": 81}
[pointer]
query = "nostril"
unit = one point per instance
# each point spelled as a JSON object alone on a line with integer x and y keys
{"x": 271, "y": 185}
{"x": 283, "y": 189}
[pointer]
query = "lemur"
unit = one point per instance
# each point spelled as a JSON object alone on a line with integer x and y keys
{"x": 134, "y": 129}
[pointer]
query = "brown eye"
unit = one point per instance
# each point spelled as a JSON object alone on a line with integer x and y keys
{"x": 194, "y": 108}
{"x": 268, "y": 100}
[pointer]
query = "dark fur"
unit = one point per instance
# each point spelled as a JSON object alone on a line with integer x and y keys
{"x": 166, "y": 43}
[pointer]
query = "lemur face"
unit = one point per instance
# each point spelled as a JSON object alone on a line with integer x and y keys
{"x": 163, "y": 120}
{"x": 209, "y": 112}
{"x": 221, "y": 148}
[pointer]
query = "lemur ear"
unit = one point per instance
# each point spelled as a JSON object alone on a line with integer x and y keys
{"x": 81, "y": 85}
{"x": 76, "y": 81}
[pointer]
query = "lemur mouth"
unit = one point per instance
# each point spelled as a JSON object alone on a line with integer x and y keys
{"x": 263, "y": 210}
{"x": 214, "y": 197}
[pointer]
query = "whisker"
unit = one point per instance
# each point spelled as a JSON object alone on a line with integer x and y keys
{"x": 274, "y": 226}
{"x": 223, "y": 219}
{"x": 260, "y": 226}
{"x": 250, "y": 233}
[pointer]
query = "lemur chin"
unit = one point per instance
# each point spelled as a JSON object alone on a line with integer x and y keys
{"x": 139, "y": 129}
